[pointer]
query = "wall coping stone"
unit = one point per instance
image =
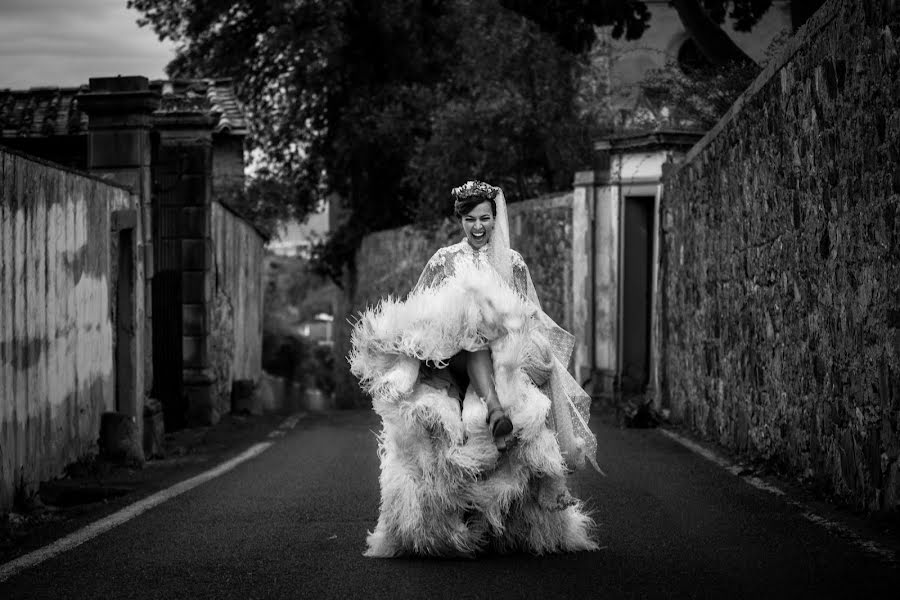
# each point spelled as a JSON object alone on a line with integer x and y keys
{"x": 59, "y": 167}
{"x": 265, "y": 237}
{"x": 652, "y": 140}
{"x": 551, "y": 200}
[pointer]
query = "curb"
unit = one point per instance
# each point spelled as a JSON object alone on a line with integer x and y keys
{"x": 867, "y": 546}
{"x": 123, "y": 515}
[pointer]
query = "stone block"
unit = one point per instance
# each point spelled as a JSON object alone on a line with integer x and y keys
{"x": 194, "y": 351}
{"x": 193, "y": 319}
{"x": 128, "y": 83}
{"x": 249, "y": 398}
{"x": 196, "y": 287}
{"x": 128, "y": 177}
{"x": 122, "y": 148}
{"x": 120, "y": 439}
{"x": 891, "y": 495}
{"x": 154, "y": 429}
{"x": 201, "y": 407}
{"x": 103, "y": 121}
{"x": 196, "y": 254}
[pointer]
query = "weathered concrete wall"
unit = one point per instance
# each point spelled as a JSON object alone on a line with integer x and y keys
{"x": 389, "y": 263}
{"x": 781, "y": 263}
{"x": 227, "y": 164}
{"x": 56, "y": 330}
{"x": 236, "y": 323}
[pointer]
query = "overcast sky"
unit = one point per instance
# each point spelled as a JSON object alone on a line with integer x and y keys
{"x": 66, "y": 42}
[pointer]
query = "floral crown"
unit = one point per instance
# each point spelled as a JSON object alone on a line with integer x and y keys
{"x": 475, "y": 188}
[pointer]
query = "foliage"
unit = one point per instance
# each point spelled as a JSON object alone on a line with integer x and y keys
{"x": 387, "y": 104}
{"x": 698, "y": 99}
{"x": 700, "y": 95}
{"x": 505, "y": 114}
{"x": 293, "y": 294}
{"x": 295, "y": 358}
{"x": 572, "y": 22}
{"x": 267, "y": 201}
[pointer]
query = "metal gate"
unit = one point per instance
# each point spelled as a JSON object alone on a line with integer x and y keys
{"x": 167, "y": 290}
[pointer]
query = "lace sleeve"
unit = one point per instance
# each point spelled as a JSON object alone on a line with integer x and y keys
{"x": 521, "y": 279}
{"x": 570, "y": 405}
{"x": 434, "y": 272}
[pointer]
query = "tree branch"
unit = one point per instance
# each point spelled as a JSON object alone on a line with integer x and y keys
{"x": 711, "y": 40}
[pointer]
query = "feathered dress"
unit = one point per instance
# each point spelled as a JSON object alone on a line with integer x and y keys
{"x": 446, "y": 490}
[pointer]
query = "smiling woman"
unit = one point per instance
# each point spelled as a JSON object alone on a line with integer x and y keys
{"x": 477, "y": 218}
{"x": 481, "y": 420}
{"x": 52, "y": 43}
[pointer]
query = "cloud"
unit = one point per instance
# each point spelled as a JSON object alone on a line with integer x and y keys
{"x": 48, "y": 42}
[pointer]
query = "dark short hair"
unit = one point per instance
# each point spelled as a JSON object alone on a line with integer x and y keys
{"x": 464, "y": 206}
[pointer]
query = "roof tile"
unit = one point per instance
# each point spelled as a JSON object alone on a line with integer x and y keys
{"x": 49, "y": 111}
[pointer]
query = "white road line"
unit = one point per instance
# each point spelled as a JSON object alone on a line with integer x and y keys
{"x": 843, "y": 531}
{"x": 91, "y": 531}
{"x": 291, "y": 421}
{"x": 867, "y": 546}
{"x": 277, "y": 433}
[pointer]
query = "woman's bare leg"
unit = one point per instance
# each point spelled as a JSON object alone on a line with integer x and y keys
{"x": 480, "y": 369}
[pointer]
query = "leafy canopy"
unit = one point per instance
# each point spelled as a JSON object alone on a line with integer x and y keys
{"x": 389, "y": 104}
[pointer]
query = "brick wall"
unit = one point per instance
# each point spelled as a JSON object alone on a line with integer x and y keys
{"x": 781, "y": 263}
{"x": 389, "y": 262}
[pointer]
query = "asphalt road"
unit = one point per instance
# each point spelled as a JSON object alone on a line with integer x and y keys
{"x": 291, "y": 523}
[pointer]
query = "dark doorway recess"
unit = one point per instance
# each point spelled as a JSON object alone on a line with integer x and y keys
{"x": 167, "y": 363}
{"x": 636, "y": 293}
{"x": 124, "y": 356}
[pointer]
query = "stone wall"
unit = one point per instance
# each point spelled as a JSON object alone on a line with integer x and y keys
{"x": 781, "y": 263}
{"x": 541, "y": 230}
{"x": 389, "y": 262}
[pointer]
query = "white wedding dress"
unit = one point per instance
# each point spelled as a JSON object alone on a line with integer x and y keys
{"x": 446, "y": 490}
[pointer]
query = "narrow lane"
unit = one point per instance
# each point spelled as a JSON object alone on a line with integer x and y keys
{"x": 291, "y": 523}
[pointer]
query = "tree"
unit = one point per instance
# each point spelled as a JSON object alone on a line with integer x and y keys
{"x": 697, "y": 88}
{"x": 572, "y": 22}
{"x": 267, "y": 201}
{"x": 505, "y": 113}
{"x": 369, "y": 100}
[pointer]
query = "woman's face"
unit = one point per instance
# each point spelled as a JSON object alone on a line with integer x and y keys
{"x": 479, "y": 224}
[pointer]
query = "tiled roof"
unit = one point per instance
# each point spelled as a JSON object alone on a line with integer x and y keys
{"x": 48, "y": 111}
{"x": 640, "y": 111}
{"x": 41, "y": 112}
{"x": 215, "y": 96}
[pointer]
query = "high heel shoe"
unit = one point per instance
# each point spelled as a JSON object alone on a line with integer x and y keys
{"x": 499, "y": 423}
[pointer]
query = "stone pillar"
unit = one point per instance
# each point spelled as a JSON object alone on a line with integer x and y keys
{"x": 185, "y": 248}
{"x": 597, "y": 278}
{"x": 119, "y": 149}
{"x": 634, "y": 167}
{"x": 583, "y": 211}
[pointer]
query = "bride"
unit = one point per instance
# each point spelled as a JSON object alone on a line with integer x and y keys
{"x": 481, "y": 422}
